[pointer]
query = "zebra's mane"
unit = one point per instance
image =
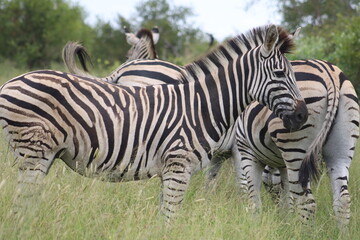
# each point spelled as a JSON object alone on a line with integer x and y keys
{"x": 146, "y": 41}
{"x": 147, "y": 34}
{"x": 241, "y": 44}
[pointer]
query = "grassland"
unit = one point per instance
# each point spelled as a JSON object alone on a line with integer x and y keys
{"x": 74, "y": 207}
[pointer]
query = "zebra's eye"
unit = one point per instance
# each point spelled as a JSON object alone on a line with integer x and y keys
{"x": 279, "y": 74}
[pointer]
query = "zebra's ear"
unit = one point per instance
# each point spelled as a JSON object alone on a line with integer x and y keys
{"x": 295, "y": 34}
{"x": 271, "y": 39}
{"x": 131, "y": 38}
{"x": 155, "y": 34}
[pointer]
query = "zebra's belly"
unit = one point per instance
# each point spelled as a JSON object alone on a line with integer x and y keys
{"x": 126, "y": 169}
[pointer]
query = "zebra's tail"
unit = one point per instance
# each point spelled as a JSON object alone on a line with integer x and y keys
{"x": 309, "y": 169}
{"x": 69, "y": 53}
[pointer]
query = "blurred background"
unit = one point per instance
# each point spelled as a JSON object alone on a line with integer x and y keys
{"x": 32, "y": 33}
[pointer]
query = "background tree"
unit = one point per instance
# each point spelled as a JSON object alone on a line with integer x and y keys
{"x": 330, "y": 31}
{"x": 179, "y": 41}
{"x": 109, "y": 46}
{"x": 315, "y": 13}
{"x": 33, "y": 32}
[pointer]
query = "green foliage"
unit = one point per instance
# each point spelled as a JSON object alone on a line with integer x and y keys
{"x": 33, "y": 32}
{"x": 330, "y": 32}
{"x": 178, "y": 35}
{"x": 312, "y": 13}
{"x": 346, "y": 39}
{"x": 108, "y": 46}
{"x": 338, "y": 44}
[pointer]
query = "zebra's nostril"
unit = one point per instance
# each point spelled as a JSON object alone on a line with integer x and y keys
{"x": 301, "y": 114}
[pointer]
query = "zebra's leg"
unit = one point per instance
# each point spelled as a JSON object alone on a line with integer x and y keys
{"x": 253, "y": 170}
{"x": 249, "y": 172}
{"x": 175, "y": 180}
{"x": 240, "y": 177}
{"x": 32, "y": 171}
{"x": 213, "y": 169}
{"x": 272, "y": 181}
{"x": 285, "y": 198}
{"x": 303, "y": 200}
{"x": 339, "y": 177}
{"x": 339, "y": 151}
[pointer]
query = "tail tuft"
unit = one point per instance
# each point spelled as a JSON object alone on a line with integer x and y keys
{"x": 308, "y": 170}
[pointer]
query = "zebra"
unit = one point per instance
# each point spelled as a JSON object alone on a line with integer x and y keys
{"x": 134, "y": 72}
{"x": 331, "y": 129}
{"x": 302, "y": 68}
{"x": 142, "y": 47}
{"x": 119, "y": 133}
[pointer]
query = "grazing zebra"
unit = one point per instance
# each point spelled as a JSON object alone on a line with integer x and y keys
{"x": 142, "y": 47}
{"x": 122, "y": 133}
{"x": 131, "y": 73}
{"x": 332, "y": 129}
{"x": 143, "y": 44}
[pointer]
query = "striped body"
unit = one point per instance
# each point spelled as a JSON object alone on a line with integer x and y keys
{"x": 106, "y": 133}
{"x": 128, "y": 133}
{"x": 262, "y": 140}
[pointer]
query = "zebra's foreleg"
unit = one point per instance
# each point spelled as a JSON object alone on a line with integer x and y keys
{"x": 240, "y": 176}
{"x": 284, "y": 195}
{"x": 303, "y": 200}
{"x": 272, "y": 182}
{"x": 175, "y": 180}
{"x": 250, "y": 169}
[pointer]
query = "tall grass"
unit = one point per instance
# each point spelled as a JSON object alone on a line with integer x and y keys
{"x": 75, "y": 207}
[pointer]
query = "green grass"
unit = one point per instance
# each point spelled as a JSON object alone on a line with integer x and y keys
{"x": 74, "y": 207}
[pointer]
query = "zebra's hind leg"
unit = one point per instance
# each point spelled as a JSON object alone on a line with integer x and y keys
{"x": 304, "y": 201}
{"x": 339, "y": 176}
{"x": 214, "y": 168}
{"x": 31, "y": 174}
{"x": 339, "y": 151}
{"x": 175, "y": 181}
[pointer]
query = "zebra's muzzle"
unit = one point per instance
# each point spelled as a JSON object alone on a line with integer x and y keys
{"x": 295, "y": 120}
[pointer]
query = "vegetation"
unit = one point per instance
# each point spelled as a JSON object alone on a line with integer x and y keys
{"x": 33, "y": 33}
{"x": 74, "y": 207}
{"x": 330, "y": 32}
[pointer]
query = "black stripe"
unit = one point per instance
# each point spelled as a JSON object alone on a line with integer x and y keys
{"x": 151, "y": 75}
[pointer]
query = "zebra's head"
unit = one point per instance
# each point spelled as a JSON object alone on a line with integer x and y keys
{"x": 278, "y": 90}
{"x": 143, "y": 44}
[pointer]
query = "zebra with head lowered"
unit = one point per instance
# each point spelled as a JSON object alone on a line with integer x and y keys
{"x": 332, "y": 129}
{"x": 142, "y": 47}
{"x": 120, "y": 133}
{"x": 134, "y": 72}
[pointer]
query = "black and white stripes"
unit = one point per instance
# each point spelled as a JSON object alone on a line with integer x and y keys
{"x": 128, "y": 133}
{"x": 331, "y": 129}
